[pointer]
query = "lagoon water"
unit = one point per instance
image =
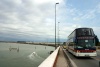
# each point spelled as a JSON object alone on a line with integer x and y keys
{"x": 28, "y": 55}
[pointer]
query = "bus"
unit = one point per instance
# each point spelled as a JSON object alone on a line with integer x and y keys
{"x": 81, "y": 42}
{"x": 64, "y": 45}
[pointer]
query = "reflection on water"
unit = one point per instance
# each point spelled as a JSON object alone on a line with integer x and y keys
{"x": 27, "y": 55}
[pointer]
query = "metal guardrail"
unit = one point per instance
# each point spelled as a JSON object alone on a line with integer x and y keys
{"x": 50, "y": 61}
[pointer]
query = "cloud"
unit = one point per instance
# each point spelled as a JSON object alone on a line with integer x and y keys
{"x": 75, "y": 18}
{"x": 35, "y": 19}
{"x": 27, "y": 18}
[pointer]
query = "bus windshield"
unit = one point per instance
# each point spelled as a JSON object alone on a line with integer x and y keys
{"x": 84, "y": 32}
{"x": 85, "y": 43}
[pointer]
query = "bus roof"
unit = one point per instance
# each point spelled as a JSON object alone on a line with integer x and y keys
{"x": 83, "y": 28}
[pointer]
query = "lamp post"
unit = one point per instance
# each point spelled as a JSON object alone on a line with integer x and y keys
{"x": 55, "y": 24}
{"x": 58, "y": 33}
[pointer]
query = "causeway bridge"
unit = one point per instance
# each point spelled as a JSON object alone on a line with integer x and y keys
{"x": 62, "y": 58}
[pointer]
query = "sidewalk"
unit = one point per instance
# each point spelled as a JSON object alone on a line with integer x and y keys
{"x": 61, "y": 61}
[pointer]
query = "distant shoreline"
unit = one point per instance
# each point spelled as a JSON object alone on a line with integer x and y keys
{"x": 36, "y": 43}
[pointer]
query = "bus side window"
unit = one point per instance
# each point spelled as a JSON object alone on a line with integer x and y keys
{"x": 93, "y": 40}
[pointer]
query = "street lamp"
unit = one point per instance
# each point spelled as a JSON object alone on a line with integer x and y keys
{"x": 55, "y": 24}
{"x": 58, "y": 34}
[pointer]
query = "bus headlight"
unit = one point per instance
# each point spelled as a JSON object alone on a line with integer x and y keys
{"x": 78, "y": 51}
{"x": 94, "y": 51}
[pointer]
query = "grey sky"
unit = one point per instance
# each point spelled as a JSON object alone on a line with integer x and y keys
{"x": 32, "y": 20}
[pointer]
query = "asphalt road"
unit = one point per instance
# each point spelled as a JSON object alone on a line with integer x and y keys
{"x": 86, "y": 62}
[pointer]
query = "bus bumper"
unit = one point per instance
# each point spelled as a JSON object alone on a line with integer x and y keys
{"x": 86, "y": 54}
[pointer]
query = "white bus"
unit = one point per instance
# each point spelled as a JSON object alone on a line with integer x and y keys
{"x": 81, "y": 42}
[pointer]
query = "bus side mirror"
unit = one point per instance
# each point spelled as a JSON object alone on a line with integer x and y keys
{"x": 96, "y": 40}
{"x": 75, "y": 41}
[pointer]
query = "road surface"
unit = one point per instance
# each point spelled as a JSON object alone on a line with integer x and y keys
{"x": 86, "y": 62}
{"x": 61, "y": 60}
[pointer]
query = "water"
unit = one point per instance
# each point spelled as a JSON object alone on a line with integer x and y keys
{"x": 27, "y": 56}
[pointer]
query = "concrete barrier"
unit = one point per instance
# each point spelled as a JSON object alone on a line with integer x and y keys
{"x": 70, "y": 60}
{"x": 50, "y": 61}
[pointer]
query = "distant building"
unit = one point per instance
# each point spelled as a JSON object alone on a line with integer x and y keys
{"x": 21, "y": 41}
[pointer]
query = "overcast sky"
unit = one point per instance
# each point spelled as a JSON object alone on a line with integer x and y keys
{"x": 34, "y": 20}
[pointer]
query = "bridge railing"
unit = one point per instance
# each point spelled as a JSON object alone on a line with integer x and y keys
{"x": 51, "y": 60}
